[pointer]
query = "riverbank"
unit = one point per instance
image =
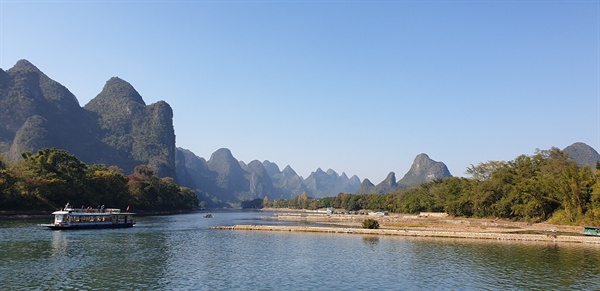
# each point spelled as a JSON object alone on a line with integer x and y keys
{"x": 427, "y": 225}
{"x": 550, "y": 237}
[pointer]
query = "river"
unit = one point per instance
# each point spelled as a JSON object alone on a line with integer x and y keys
{"x": 181, "y": 252}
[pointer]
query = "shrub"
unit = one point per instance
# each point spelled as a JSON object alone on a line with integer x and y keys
{"x": 370, "y": 223}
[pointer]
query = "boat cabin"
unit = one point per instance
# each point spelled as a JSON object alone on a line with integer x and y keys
{"x": 80, "y": 218}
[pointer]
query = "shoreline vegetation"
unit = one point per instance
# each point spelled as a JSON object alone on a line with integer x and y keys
{"x": 437, "y": 225}
{"x": 44, "y": 181}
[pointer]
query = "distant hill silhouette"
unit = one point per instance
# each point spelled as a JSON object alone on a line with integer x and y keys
{"x": 582, "y": 154}
{"x": 287, "y": 181}
{"x": 227, "y": 180}
{"x": 423, "y": 170}
{"x": 323, "y": 184}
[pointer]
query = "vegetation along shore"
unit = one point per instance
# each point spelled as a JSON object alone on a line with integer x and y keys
{"x": 50, "y": 178}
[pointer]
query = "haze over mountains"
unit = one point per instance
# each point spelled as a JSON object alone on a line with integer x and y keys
{"x": 118, "y": 128}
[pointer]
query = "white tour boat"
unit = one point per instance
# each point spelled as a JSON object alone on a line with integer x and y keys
{"x": 85, "y": 218}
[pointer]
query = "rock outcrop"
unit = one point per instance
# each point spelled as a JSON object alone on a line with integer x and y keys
{"x": 583, "y": 154}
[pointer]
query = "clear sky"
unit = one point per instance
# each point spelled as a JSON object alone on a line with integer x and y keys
{"x": 360, "y": 87}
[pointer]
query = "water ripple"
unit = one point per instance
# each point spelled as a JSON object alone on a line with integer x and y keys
{"x": 182, "y": 253}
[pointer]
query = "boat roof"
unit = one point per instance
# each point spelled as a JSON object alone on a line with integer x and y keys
{"x": 74, "y": 213}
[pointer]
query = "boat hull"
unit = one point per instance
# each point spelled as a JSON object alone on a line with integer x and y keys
{"x": 88, "y": 226}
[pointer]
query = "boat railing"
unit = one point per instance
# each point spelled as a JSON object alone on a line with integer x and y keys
{"x": 92, "y": 210}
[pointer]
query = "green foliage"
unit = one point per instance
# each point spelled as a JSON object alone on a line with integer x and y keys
{"x": 370, "y": 223}
{"x": 52, "y": 177}
{"x": 546, "y": 186}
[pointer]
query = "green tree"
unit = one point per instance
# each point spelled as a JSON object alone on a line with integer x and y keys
{"x": 107, "y": 185}
{"x": 8, "y": 195}
{"x": 370, "y": 223}
{"x": 484, "y": 171}
{"x": 576, "y": 187}
{"x": 54, "y": 177}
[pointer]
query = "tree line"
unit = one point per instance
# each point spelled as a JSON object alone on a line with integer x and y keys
{"x": 50, "y": 178}
{"x": 547, "y": 186}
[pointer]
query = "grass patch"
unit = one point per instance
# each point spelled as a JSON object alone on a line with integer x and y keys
{"x": 543, "y": 232}
{"x": 405, "y": 225}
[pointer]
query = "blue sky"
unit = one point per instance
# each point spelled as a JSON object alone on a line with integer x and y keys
{"x": 361, "y": 87}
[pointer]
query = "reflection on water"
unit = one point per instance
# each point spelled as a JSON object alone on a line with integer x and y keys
{"x": 181, "y": 252}
{"x": 370, "y": 241}
{"x": 59, "y": 244}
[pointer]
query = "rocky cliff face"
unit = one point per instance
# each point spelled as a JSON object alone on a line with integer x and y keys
{"x": 36, "y": 112}
{"x": 192, "y": 170}
{"x": 424, "y": 170}
{"x": 33, "y": 135}
{"x": 115, "y": 128}
{"x": 145, "y": 133}
{"x": 261, "y": 184}
{"x": 583, "y": 154}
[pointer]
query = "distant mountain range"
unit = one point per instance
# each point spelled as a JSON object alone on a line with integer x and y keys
{"x": 118, "y": 128}
{"x": 223, "y": 178}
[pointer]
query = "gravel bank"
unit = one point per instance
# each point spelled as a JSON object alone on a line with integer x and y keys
{"x": 550, "y": 237}
{"x": 429, "y": 225}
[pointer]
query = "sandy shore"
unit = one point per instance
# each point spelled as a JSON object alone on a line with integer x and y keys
{"x": 426, "y": 226}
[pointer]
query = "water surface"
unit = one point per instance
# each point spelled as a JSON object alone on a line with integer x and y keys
{"x": 181, "y": 252}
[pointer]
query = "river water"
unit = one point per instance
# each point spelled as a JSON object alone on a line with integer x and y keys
{"x": 181, "y": 252}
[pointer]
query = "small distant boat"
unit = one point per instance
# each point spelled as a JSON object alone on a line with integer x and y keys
{"x": 208, "y": 215}
{"x": 591, "y": 230}
{"x": 86, "y": 218}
